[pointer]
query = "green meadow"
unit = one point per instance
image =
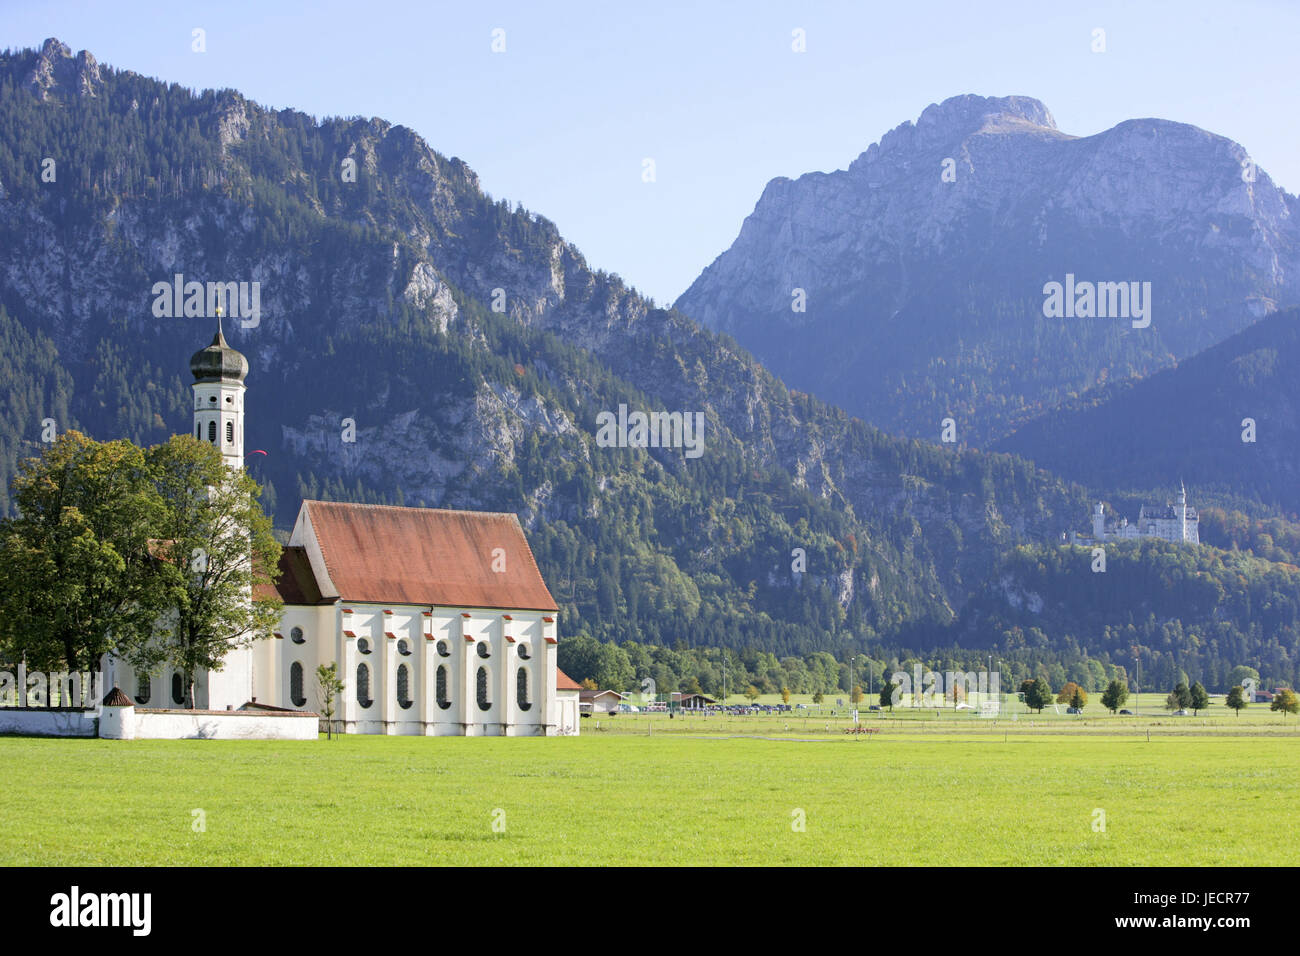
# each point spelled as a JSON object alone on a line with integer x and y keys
{"x": 744, "y": 791}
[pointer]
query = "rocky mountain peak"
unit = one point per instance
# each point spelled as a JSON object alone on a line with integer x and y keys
{"x": 56, "y": 72}
{"x": 944, "y": 126}
{"x": 890, "y": 287}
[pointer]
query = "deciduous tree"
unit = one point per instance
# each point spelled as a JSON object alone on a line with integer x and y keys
{"x": 1286, "y": 701}
{"x": 1200, "y": 698}
{"x": 1115, "y": 695}
{"x": 77, "y": 577}
{"x": 219, "y": 555}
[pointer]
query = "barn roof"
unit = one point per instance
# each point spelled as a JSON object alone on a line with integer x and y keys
{"x": 385, "y": 554}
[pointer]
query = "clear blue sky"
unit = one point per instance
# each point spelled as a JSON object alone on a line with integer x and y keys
{"x": 712, "y": 91}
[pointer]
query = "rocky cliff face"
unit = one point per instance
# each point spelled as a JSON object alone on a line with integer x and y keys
{"x": 923, "y": 263}
{"x": 472, "y": 348}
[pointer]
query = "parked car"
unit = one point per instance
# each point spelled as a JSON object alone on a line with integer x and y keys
{"x": 1180, "y": 713}
{"x": 874, "y": 707}
{"x": 1073, "y": 710}
{"x": 1129, "y": 712}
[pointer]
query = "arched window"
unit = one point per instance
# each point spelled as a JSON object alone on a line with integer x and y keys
{"x": 230, "y": 433}
{"x": 521, "y": 686}
{"x": 178, "y": 689}
{"x": 198, "y": 431}
{"x": 482, "y": 689}
{"x": 142, "y": 689}
{"x": 403, "y": 686}
{"x": 363, "y": 685}
{"x": 441, "y": 681}
{"x": 296, "y": 636}
{"x": 295, "y": 685}
{"x": 212, "y": 432}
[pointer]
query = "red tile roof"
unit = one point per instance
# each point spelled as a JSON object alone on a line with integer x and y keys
{"x": 564, "y": 682}
{"x": 379, "y": 553}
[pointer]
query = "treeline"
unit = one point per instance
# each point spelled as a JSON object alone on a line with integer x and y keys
{"x": 1172, "y": 610}
{"x": 634, "y": 666}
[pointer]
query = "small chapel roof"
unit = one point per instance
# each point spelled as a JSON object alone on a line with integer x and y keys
{"x": 377, "y": 554}
{"x": 564, "y": 682}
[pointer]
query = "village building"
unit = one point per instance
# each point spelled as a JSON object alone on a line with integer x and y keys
{"x": 600, "y": 701}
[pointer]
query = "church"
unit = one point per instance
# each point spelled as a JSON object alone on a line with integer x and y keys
{"x": 439, "y": 621}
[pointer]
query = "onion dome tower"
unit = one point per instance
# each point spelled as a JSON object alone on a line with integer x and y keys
{"x": 219, "y": 372}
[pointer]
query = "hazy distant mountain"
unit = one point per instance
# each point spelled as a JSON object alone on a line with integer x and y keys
{"x": 1188, "y": 422}
{"x": 376, "y": 294}
{"x": 924, "y": 297}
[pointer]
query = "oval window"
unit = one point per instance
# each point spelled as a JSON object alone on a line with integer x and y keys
{"x": 363, "y": 645}
{"x": 523, "y": 652}
{"x": 296, "y": 635}
{"x": 483, "y": 650}
{"x": 404, "y": 647}
{"x": 443, "y": 649}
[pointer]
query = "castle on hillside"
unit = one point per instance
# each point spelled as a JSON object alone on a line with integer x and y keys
{"x": 1177, "y": 522}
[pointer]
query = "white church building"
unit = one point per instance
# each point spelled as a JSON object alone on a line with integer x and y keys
{"x": 439, "y": 621}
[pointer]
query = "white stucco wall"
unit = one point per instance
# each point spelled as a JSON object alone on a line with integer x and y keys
{"x": 446, "y": 638}
{"x": 224, "y": 725}
{"x": 45, "y": 722}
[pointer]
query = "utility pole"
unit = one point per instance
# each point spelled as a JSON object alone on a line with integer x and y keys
{"x": 1137, "y": 682}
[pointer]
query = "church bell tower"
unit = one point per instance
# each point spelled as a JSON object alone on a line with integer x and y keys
{"x": 219, "y": 388}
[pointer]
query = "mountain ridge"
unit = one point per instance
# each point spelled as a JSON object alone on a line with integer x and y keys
{"x": 917, "y": 290}
{"x": 377, "y": 305}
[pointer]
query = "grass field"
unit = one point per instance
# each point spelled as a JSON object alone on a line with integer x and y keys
{"x": 943, "y": 793}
